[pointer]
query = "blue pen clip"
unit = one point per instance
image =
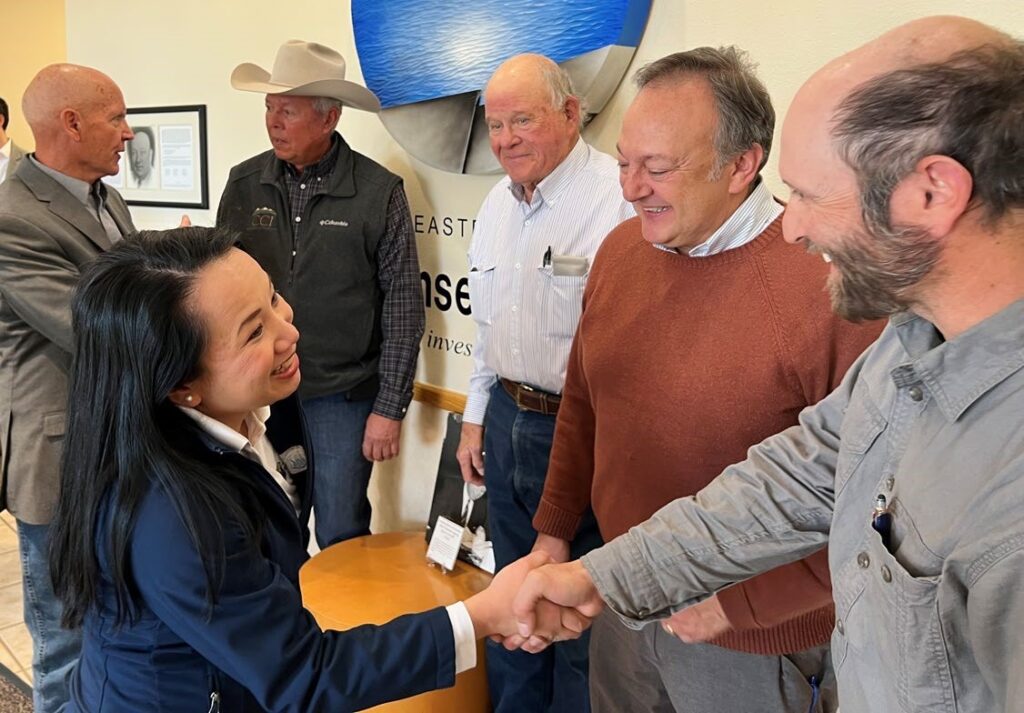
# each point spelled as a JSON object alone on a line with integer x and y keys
{"x": 815, "y": 693}
{"x": 881, "y": 521}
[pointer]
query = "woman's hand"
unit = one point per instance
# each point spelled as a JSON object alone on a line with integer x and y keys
{"x": 491, "y": 610}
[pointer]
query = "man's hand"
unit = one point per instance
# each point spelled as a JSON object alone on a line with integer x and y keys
{"x": 380, "y": 440}
{"x": 470, "y": 453}
{"x": 548, "y": 616}
{"x": 554, "y": 546}
{"x": 699, "y": 623}
{"x": 492, "y": 609}
{"x": 567, "y": 585}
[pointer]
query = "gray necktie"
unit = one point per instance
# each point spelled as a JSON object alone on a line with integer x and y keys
{"x": 100, "y": 205}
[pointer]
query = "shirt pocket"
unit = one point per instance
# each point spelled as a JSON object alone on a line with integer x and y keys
{"x": 481, "y": 293}
{"x": 561, "y": 303}
{"x": 862, "y": 424}
{"x": 893, "y": 631}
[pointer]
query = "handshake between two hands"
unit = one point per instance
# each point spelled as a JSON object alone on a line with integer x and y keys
{"x": 535, "y": 602}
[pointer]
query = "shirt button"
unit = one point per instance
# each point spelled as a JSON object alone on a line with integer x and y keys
{"x": 294, "y": 253}
{"x": 915, "y": 393}
{"x": 515, "y": 308}
{"x": 890, "y": 483}
{"x": 526, "y": 222}
{"x": 298, "y": 219}
{"x": 302, "y": 186}
{"x": 518, "y": 266}
{"x": 886, "y": 574}
{"x": 840, "y": 627}
{"x": 863, "y": 560}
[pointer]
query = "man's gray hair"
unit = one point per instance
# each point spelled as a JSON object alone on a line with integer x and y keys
{"x": 322, "y": 105}
{"x": 745, "y": 112}
{"x": 559, "y": 84}
{"x": 969, "y": 107}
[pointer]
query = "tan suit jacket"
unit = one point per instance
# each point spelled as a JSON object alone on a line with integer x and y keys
{"x": 46, "y": 237}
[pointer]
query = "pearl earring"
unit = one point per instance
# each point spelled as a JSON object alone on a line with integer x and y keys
{"x": 189, "y": 398}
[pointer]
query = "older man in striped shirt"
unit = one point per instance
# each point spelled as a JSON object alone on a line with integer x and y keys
{"x": 535, "y": 236}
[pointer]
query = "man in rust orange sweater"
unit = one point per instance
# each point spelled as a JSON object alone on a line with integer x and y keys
{"x": 702, "y": 333}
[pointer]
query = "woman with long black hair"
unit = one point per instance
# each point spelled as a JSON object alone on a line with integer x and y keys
{"x": 181, "y": 525}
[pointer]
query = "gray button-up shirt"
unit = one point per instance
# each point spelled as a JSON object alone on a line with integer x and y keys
{"x": 934, "y": 623}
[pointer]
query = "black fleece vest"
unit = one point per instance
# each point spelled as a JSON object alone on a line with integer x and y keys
{"x": 330, "y": 275}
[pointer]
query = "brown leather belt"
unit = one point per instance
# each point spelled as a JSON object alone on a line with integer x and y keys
{"x": 530, "y": 399}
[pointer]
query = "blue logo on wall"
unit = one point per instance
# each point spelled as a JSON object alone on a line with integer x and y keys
{"x": 428, "y": 62}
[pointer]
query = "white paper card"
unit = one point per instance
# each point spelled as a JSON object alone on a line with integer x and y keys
{"x": 444, "y": 543}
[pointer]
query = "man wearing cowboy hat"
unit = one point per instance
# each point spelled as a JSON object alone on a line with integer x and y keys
{"x": 333, "y": 230}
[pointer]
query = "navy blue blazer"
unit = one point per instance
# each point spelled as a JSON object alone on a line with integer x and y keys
{"x": 259, "y": 650}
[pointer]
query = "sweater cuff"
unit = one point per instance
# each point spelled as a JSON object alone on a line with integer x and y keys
{"x": 737, "y": 609}
{"x": 553, "y": 520}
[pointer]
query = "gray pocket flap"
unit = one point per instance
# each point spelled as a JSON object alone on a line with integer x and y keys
{"x": 53, "y": 424}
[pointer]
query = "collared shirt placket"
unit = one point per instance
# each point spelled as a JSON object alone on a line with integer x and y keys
{"x": 522, "y": 264}
{"x": 910, "y": 402}
{"x": 301, "y": 189}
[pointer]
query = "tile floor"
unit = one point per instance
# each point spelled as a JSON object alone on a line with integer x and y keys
{"x": 15, "y": 643}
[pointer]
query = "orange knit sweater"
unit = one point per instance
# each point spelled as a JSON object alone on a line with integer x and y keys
{"x": 679, "y": 365}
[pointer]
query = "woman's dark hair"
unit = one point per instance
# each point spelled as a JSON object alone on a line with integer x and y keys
{"x": 135, "y": 342}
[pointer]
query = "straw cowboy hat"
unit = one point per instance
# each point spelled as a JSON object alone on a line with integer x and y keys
{"x": 305, "y": 69}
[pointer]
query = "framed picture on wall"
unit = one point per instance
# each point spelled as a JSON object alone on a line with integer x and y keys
{"x": 165, "y": 164}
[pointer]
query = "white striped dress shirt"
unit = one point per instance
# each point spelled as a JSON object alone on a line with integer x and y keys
{"x": 526, "y": 314}
{"x": 756, "y": 213}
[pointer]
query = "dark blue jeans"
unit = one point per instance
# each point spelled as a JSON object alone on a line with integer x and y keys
{"x": 518, "y": 444}
{"x": 335, "y": 429}
{"x": 55, "y": 650}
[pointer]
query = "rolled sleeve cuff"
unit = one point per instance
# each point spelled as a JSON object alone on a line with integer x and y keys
{"x": 629, "y": 589}
{"x": 465, "y": 637}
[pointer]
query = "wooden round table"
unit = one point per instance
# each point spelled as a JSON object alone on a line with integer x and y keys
{"x": 373, "y": 579}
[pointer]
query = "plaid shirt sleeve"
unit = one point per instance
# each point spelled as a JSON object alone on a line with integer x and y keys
{"x": 403, "y": 317}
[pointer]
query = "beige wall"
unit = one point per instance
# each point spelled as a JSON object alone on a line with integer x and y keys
{"x": 33, "y": 37}
{"x": 183, "y": 53}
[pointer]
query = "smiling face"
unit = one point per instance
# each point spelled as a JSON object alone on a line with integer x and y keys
{"x": 870, "y": 276}
{"x": 250, "y": 358}
{"x": 299, "y": 133}
{"x": 666, "y": 161}
{"x": 529, "y": 136}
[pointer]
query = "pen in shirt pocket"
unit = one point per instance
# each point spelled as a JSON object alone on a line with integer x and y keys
{"x": 547, "y": 258}
{"x": 881, "y": 522}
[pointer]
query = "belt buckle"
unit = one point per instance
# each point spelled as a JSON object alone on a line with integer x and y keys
{"x": 520, "y": 388}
